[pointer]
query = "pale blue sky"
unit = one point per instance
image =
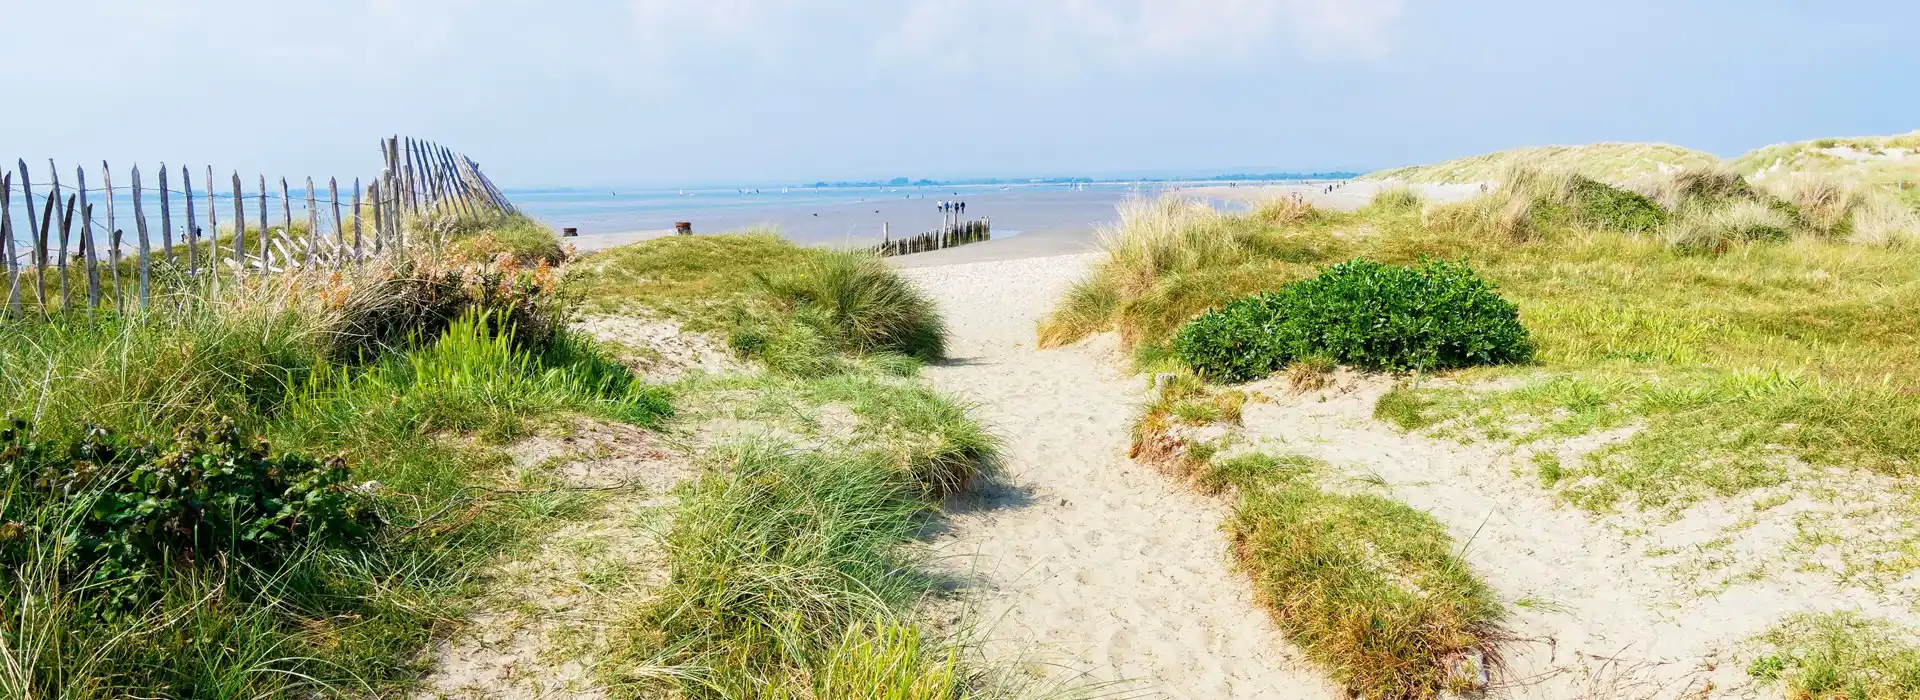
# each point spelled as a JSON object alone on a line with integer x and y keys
{"x": 675, "y": 92}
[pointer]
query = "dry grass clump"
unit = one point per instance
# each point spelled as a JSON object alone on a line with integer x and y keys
{"x": 1718, "y": 230}
{"x": 1714, "y": 184}
{"x": 1166, "y": 255}
{"x": 1612, "y": 162}
{"x": 1311, "y": 373}
{"x": 1882, "y": 218}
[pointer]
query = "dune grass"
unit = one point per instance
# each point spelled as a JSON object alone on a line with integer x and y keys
{"x": 799, "y": 311}
{"x": 1841, "y": 655}
{"x": 795, "y": 569}
{"x": 1729, "y": 356}
{"x": 322, "y": 618}
{"x": 782, "y": 563}
{"x": 868, "y": 306}
{"x": 1874, "y": 161}
{"x": 1611, "y": 162}
{"x": 1368, "y": 588}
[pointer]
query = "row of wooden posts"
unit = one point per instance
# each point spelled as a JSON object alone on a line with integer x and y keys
{"x": 949, "y": 236}
{"x": 421, "y": 179}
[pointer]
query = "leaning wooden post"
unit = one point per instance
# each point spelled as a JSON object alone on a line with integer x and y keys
{"x": 286, "y": 215}
{"x": 266, "y": 234}
{"x": 313, "y": 224}
{"x": 63, "y": 222}
{"x": 396, "y": 219}
{"x": 40, "y": 250}
{"x": 379, "y": 219}
{"x": 140, "y": 225}
{"x": 86, "y": 240}
{"x": 240, "y": 230}
{"x": 7, "y": 246}
{"x": 66, "y": 231}
{"x": 213, "y": 240}
{"x": 33, "y": 232}
{"x": 193, "y": 230}
{"x": 356, "y": 219}
{"x": 339, "y": 232}
{"x": 166, "y": 218}
{"x": 113, "y": 239}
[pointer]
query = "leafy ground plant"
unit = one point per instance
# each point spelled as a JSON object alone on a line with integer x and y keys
{"x": 1439, "y": 315}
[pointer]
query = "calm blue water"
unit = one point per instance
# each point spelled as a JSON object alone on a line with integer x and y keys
{"x": 832, "y": 215}
{"x": 826, "y": 215}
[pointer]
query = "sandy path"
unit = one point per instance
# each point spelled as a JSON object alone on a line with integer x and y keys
{"x": 1082, "y": 558}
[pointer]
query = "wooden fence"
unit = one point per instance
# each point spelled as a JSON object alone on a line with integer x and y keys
{"x": 65, "y": 225}
{"x": 949, "y": 236}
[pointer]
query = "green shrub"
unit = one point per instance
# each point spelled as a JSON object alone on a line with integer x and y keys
{"x": 1361, "y": 313}
{"x": 129, "y": 509}
{"x": 1604, "y": 205}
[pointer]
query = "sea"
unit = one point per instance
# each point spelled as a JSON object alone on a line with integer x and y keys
{"x": 837, "y": 215}
{"x": 829, "y": 215}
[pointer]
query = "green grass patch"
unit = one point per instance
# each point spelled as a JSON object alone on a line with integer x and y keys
{"x": 268, "y": 606}
{"x": 1403, "y": 406}
{"x": 1625, "y": 328}
{"x": 1367, "y": 587}
{"x": 798, "y": 311}
{"x": 1840, "y": 656}
{"x": 794, "y": 574}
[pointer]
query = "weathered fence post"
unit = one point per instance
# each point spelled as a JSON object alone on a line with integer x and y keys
{"x": 379, "y": 219}
{"x": 86, "y": 240}
{"x": 313, "y": 224}
{"x": 113, "y": 239}
{"x": 265, "y": 233}
{"x": 37, "y": 239}
{"x": 356, "y": 220}
{"x": 339, "y": 232}
{"x": 286, "y": 216}
{"x": 213, "y": 241}
{"x": 63, "y": 222}
{"x": 193, "y": 230}
{"x": 166, "y": 218}
{"x": 7, "y": 245}
{"x": 140, "y": 225}
{"x": 240, "y": 230}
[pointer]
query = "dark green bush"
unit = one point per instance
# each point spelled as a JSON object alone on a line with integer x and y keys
{"x": 1610, "y": 207}
{"x": 1362, "y": 313}
{"x": 125, "y": 510}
